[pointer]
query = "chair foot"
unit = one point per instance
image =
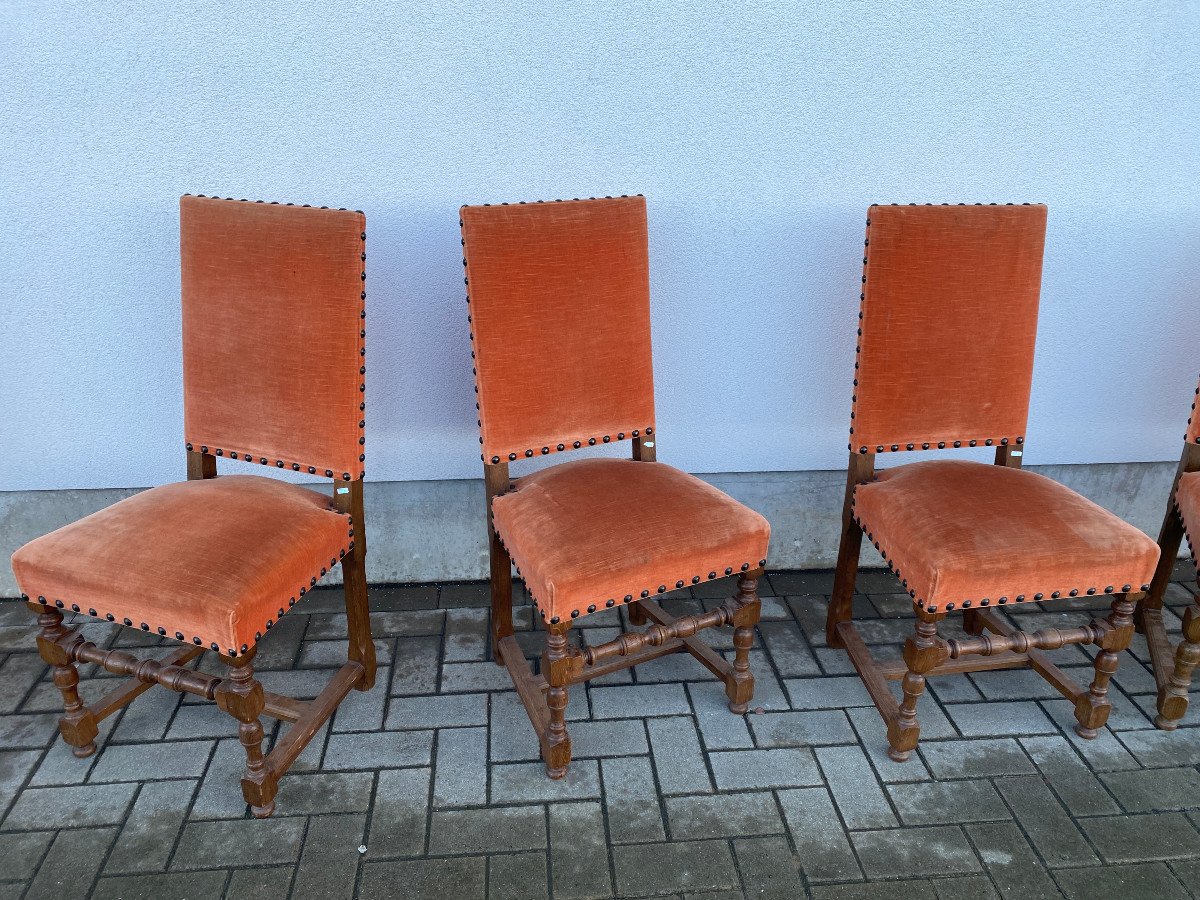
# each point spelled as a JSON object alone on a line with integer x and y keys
{"x": 899, "y": 755}
{"x": 1086, "y": 733}
{"x": 1093, "y": 707}
{"x": 263, "y": 812}
{"x": 555, "y": 773}
{"x": 738, "y": 709}
{"x": 85, "y": 751}
{"x": 1162, "y": 723}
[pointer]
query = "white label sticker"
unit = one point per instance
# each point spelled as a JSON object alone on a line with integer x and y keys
{"x": 647, "y": 443}
{"x": 1017, "y": 453}
{"x": 343, "y": 490}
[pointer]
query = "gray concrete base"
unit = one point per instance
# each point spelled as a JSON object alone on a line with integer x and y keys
{"x": 433, "y": 530}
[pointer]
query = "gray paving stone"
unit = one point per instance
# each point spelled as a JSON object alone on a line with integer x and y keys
{"x": 1013, "y": 866}
{"x": 363, "y": 710}
{"x": 220, "y": 794}
{"x": 722, "y": 816}
{"x": 18, "y": 674}
{"x": 467, "y": 593}
{"x": 192, "y": 885}
{"x": 914, "y": 851}
{"x": 398, "y": 816}
{"x": 61, "y": 766}
{"x": 678, "y": 760}
{"x": 675, "y": 667}
{"x": 873, "y": 739}
{"x": 491, "y": 830}
{"x": 21, "y": 852}
{"x": 639, "y": 700}
{"x": 1046, "y": 823}
{"x": 1143, "y": 880}
{"x": 1104, "y": 753}
{"x": 466, "y": 677}
{"x": 747, "y": 769}
{"x": 324, "y": 792}
{"x": 329, "y": 863}
{"x": 647, "y": 869}
{"x": 512, "y": 736}
{"x": 948, "y": 802}
{"x": 461, "y": 774}
{"x": 239, "y": 842}
{"x": 148, "y": 836}
{"x": 1072, "y": 780}
{"x": 964, "y": 887}
{"x": 378, "y": 750}
{"x": 975, "y": 758}
{"x": 22, "y": 731}
{"x": 462, "y": 878}
{"x": 466, "y": 635}
{"x": 1156, "y": 748}
{"x": 858, "y": 795}
{"x": 608, "y": 737}
{"x": 908, "y": 889}
{"x": 1155, "y": 790}
{"x": 768, "y": 867}
{"x": 827, "y": 692}
{"x": 147, "y": 718}
{"x": 518, "y": 876}
{"x": 630, "y": 799}
{"x": 769, "y": 693}
{"x": 453, "y": 711}
{"x": 953, "y": 689}
{"x": 199, "y": 720}
{"x": 331, "y": 654}
{"x": 137, "y": 762}
{"x": 997, "y": 718}
{"x": 415, "y": 667}
{"x": 819, "y": 835}
{"x": 721, "y": 729}
{"x": 71, "y": 864}
{"x": 801, "y": 728}
{"x": 411, "y": 623}
{"x": 73, "y": 806}
{"x": 789, "y": 650}
{"x": 15, "y": 767}
{"x": 1142, "y": 838}
{"x": 578, "y": 852}
{"x": 528, "y": 782}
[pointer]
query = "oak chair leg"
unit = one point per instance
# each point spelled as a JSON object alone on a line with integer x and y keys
{"x": 241, "y": 695}
{"x": 496, "y": 482}
{"x": 861, "y": 468}
{"x": 78, "y": 725}
{"x": 637, "y": 615}
{"x": 923, "y": 651}
{"x": 747, "y": 609}
{"x": 1173, "y": 697}
{"x": 557, "y": 669}
{"x": 358, "y": 616}
{"x": 1093, "y": 707}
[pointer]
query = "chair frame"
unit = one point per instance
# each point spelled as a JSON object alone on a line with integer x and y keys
{"x": 927, "y": 654}
{"x": 1173, "y": 664}
{"x": 544, "y": 694}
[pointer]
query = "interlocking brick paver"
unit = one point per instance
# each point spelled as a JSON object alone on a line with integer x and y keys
{"x": 378, "y": 750}
{"x": 527, "y": 782}
{"x": 825, "y": 853}
{"x": 146, "y": 840}
{"x": 21, "y": 851}
{"x": 947, "y": 802}
{"x": 462, "y": 767}
{"x": 329, "y": 862}
{"x": 171, "y": 759}
{"x": 873, "y": 739}
{"x": 722, "y": 815}
{"x": 859, "y": 798}
{"x": 976, "y": 758}
{"x": 578, "y": 852}
{"x": 492, "y": 830}
{"x": 415, "y": 668}
{"x": 789, "y": 650}
{"x": 27, "y": 731}
{"x": 648, "y": 869}
{"x": 608, "y": 737}
{"x": 1074, "y": 783}
{"x": 1127, "y": 839}
{"x": 1053, "y": 833}
{"x": 325, "y": 792}
{"x": 631, "y": 801}
{"x": 363, "y": 710}
{"x": 452, "y": 711}
{"x": 898, "y": 853}
{"x": 1104, "y": 753}
{"x": 744, "y": 769}
{"x": 827, "y": 692}
{"x": 721, "y": 729}
{"x": 768, "y": 868}
{"x": 1156, "y": 748}
{"x": 71, "y": 865}
{"x": 466, "y": 635}
{"x": 801, "y": 728}
{"x": 398, "y": 816}
{"x": 239, "y": 842}
{"x": 192, "y": 885}
{"x": 1155, "y": 790}
{"x": 1009, "y": 860}
{"x": 1142, "y": 880}
{"x": 908, "y": 889}
{"x": 639, "y": 700}
{"x": 678, "y": 759}
{"x": 997, "y": 718}
{"x": 517, "y": 876}
{"x": 462, "y": 878}
{"x": 73, "y": 806}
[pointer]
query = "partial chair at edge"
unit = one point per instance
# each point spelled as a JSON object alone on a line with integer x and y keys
{"x": 1173, "y": 666}
{"x": 559, "y": 308}
{"x": 946, "y": 329}
{"x": 273, "y": 372}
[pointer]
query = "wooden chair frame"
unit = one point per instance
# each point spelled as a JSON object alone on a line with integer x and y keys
{"x": 1173, "y": 664}
{"x": 239, "y": 693}
{"x": 544, "y": 694}
{"x": 1002, "y": 647}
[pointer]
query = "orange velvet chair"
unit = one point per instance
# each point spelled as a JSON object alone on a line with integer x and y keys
{"x": 1173, "y": 665}
{"x": 559, "y": 307}
{"x": 945, "y": 360}
{"x": 273, "y": 371}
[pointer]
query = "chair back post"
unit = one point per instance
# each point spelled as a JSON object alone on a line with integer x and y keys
{"x": 1170, "y": 535}
{"x": 200, "y": 465}
{"x": 644, "y": 449}
{"x": 348, "y": 498}
{"x": 496, "y": 481}
{"x": 1010, "y": 455}
{"x": 861, "y": 468}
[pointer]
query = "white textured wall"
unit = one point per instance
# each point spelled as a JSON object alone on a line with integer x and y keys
{"x": 759, "y": 134}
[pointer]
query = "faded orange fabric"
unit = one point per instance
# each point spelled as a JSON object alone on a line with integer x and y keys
{"x": 559, "y": 305}
{"x": 947, "y": 327}
{"x": 962, "y": 534}
{"x": 1193, "y": 429}
{"x": 213, "y": 562}
{"x": 273, "y": 349}
{"x": 1187, "y": 501}
{"x": 596, "y": 533}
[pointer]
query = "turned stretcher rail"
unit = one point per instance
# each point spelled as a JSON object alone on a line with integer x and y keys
{"x": 1023, "y": 641}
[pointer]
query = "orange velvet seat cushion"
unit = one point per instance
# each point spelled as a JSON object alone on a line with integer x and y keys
{"x": 1187, "y": 500}
{"x": 595, "y": 533}
{"x": 213, "y": 562}
{"x": 962, "y": 534}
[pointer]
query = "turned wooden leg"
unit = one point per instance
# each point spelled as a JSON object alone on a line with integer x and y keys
{"x": 923, "y": 650}
{"x": 558, "y": 662}
{"x": 1173, "y": 698}
{"x": 78, "y": 725}
{"x": 844, "y": 577}
{"x": 358, "y": 616}
{"x": 746, "y": 608}
{"x": 496, "y": 482}
{"x": 241, "y": 695}
{"x": 637, "y": 615}
{"x": 1116, "y": 631}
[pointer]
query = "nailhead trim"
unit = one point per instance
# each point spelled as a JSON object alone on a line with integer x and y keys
{"x": 296, "y": 466}
{"x": 1192, "y": 418}
{"x": 558, "y": 446}
{"x": 197, "y": 639}
{"x": 862, "y": 298}
{"x": 921, "y": 603}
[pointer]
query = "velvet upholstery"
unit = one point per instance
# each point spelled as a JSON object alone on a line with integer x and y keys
{"x": 1193, "y": 429}
{"x": 1187, "y": 501}
{"x": 962, "y": 534}
{"x": 273, "y": 333}
{"x": 559, "y": 305}
{"x": 595, "y": 533}
{"x": 947, "y": 325}
{"x": 214, "y": 562}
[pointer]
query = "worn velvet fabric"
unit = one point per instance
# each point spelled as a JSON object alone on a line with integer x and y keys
{"x": 1187, "y": 501}
{"x": 947, "y": 328}
{"x": 214, "y": 562}
{"x": 273, "y": 333}
{"x": 962, "y": 534}
{"x": 594, "y": 533}
{"x": 559, "y": 300}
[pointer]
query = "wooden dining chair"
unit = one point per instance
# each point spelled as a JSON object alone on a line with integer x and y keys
{"x": 273, "y": 375}
{"x": 559, "y": 310}
{"x": 946, "y": 335}
{"x": 1173, "y": 665}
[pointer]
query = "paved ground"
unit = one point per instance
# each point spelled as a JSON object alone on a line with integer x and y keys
{"x": 670, "y": 795}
